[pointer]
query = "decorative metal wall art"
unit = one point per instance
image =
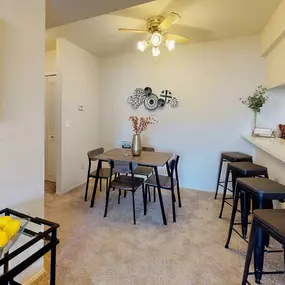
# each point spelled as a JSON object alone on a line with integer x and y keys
{"x": 150, "y": 100}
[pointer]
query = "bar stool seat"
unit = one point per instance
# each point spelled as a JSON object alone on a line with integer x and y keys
{"x": 268, "y": 188}
{"x": 241, "y": 169}
{"x": 248, "y": 168}
{"x": 230, "y": 157}
{"x": 272, "y": 223}
{"x": 236, "y": 156}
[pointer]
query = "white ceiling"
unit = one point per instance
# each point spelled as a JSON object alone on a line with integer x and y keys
{"x": 202, "y": 20}
{"x": 61, "y": 12}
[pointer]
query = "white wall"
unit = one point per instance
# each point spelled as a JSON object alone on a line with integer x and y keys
{"x": 50, "y": 62}
{"x": 22, "y": 107}
{"x": 78, "y": 70}
{"x": 273, "y": 112}
{"x": 208, "y": 79}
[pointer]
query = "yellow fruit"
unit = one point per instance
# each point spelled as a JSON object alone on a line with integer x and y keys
{"x": 12, "y": 228}
{"x": 3, "y": 239}
{"x": 4, "y": 220}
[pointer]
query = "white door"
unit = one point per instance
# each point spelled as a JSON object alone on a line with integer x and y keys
{"x": 50, "y": 128}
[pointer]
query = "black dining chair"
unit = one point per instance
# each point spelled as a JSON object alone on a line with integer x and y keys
{"x": 126, "y": 181}
{"x": 168, "y": 183}
{"x": 105, "y": 173}
{"x": 145, "y": 171}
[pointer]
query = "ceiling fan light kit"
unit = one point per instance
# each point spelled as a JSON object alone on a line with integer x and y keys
{"x": 170, "y": 44}
{"x": 155, "y": 51}
{"x": 142, "y": 45}
{"x": 156, "y": 26}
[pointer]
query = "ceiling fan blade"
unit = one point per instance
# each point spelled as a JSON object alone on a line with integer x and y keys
{"x": 170, "y": 20}
{"x": 177, "y": 38}
{"x": 133, "y": 31}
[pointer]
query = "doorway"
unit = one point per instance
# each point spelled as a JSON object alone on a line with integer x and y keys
{"x": 50, "y": 132}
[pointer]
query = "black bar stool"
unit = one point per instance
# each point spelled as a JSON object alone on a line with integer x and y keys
{"x": 230, "y": 157}
{"x": 263, "y": 191}
{"x": 272, "y": 223}
{"x": 241, "y": 169}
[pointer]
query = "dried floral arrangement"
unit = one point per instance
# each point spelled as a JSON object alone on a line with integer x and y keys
{"x": 140, "y": 124}
{"x": 282, "y": 131}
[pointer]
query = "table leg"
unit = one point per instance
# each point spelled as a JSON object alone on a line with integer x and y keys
{"x": 259, "y": 248}
{"x": 160, "y": 196}
{"x": 96, "y": 183}
{"x": 53, "y": 260}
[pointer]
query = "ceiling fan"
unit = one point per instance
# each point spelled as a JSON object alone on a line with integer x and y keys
{"x": 157, "y": 26}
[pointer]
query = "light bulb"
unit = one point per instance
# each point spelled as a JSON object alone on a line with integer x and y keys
{"x": 170, "y": 44}
{"x": 142, "y": 46}
{"x": 155, "y": 51}
{"x": 156, "y": 39}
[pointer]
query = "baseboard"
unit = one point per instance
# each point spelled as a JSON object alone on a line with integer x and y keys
{"x": 35, "y": 277}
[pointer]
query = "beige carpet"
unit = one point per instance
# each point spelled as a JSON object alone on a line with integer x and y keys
{"x": 112, "y": 251}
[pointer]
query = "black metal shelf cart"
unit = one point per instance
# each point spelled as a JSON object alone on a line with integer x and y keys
{"x": 50, "y": 241}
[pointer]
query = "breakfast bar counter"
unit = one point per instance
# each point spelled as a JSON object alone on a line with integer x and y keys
{"x": 273, "y": 146}
{"x": 270, "y": 152}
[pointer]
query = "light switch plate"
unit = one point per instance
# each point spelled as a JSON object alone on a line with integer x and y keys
{"x": 67, "y": 123}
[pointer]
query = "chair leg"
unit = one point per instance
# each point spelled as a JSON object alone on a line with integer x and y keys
{"x": 244, "y": 214}
{"x": 250, "y": 249}
{"x": 149, "y": 196}
{"x": 284, "y": 255}
{"x": 173, "y": 205}
{"x": 259, "y": 247}
{"x": 234, "y": 210}
{"x": 86, "y": 190}
{"x": 219, "y": 177}
{"x": 144, "y": 191}
{"x": 134, "y": 209}
{"x": 154, "y": 194}
{"x": 178, "y": 193}
{"x": 107, "y": 200}
{"x": 100, "y": 184}
{"x": 225, "y": 193}
{"x": 119, "y": 196}
{"x": 125, "y": 194}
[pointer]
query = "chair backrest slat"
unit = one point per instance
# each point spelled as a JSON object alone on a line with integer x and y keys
{"x": 173, "y": 166}
{"x": 92, "y": 153}
{"x": 119, "y": 166}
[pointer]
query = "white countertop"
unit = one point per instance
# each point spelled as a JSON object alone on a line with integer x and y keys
{"x": 273, "y": 146}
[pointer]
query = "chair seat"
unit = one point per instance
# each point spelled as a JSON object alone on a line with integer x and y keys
{"x": 103, "y": 173}
{"x": 165, "y": 181}
{"x": 236, "y": 156}
{"x": 143, "y": 170}
{"x": 263, "y": 186}
{"x": 248, "y": 168}
{"x": 127, "y": 182}
{"x": 273, "y": 220}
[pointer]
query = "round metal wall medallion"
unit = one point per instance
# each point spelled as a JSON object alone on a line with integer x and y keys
{"x": 161, "y": 103}
{"x": 148, "y": 91}
{"x": 151, "y": 102}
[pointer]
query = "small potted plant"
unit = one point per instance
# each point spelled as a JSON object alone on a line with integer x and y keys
{"x": 256, "y": 101}
{"x": 140, "y": 124}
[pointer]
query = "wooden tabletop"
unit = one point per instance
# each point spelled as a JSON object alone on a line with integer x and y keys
{"x": 147, "y": 158}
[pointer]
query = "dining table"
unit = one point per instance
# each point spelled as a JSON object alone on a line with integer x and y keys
{"x": 150, "y": 159}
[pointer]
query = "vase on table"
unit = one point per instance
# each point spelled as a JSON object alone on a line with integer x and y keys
{"x": 136, "y": 145}
{"x": 254, "y": 120}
